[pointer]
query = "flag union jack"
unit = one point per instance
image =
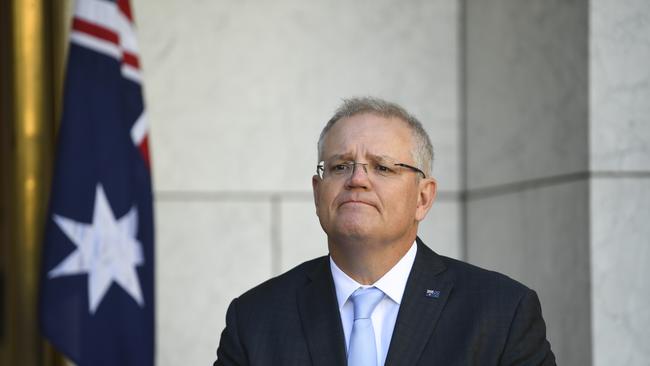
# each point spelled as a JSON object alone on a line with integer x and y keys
{"x": 97, "y": 283}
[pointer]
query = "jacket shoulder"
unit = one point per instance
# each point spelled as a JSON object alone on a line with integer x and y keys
{"x": 477, "y": 279}
{"x": 284, "y": 284}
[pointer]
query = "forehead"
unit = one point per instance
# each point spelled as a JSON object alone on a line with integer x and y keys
{"x": 368, "y": 134}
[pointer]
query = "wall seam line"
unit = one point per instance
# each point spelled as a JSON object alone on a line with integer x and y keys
{"x": 524, "y": 185}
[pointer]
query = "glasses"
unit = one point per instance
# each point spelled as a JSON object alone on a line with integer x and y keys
{"x": 345, "y": 169}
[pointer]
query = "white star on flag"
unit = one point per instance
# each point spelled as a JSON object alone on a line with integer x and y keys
{"x": 107, "y": 250}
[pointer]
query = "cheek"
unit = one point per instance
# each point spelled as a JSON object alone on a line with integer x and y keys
{"x": 402, "y": 204}
{"x": 324, "y": 201}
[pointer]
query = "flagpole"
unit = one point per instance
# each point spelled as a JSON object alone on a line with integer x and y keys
{"x": 28, "y": 128}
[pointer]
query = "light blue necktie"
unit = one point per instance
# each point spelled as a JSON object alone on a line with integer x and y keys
{"x": 363, "y": 350}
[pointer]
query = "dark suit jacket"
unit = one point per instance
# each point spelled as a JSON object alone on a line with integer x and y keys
{"x": 472, "y": 317}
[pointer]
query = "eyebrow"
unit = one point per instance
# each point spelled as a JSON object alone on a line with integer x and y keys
{"x": 373, "y": 157}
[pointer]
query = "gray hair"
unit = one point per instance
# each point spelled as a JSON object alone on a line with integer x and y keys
{"x": 422, "y": 151}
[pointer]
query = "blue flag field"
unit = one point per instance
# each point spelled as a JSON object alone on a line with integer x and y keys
{"x": 97, "y": 283}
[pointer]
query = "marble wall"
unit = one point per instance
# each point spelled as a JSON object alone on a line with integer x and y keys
{"x": 237, "y": 93}
{"x": 620, "y": 262}
{"x": 537, "y": 111}
{"x": 619, "y": 41}
{"x": 558, "y": 149}
{"x": 620, "y": 189}
{"x": 526, "y": 81}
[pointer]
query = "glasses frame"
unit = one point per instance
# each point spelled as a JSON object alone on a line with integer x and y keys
{"x": 320, "y": 168}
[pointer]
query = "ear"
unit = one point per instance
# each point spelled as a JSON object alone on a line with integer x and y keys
{"x": 315, "y": 185}
{"x": 428, "y": 188}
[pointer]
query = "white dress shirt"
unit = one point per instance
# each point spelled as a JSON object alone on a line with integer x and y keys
{"x": 383, "y": 317}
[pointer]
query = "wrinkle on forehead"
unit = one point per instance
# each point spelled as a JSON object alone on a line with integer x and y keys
{"x": 369, "y": 156}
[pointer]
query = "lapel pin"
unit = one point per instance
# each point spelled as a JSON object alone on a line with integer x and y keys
{"x": 434, "y": 294}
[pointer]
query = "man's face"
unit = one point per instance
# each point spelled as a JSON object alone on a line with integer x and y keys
{"x": 364, "y": 205}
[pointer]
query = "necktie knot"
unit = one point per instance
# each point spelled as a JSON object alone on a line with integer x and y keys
{"x": 365, "y": 300}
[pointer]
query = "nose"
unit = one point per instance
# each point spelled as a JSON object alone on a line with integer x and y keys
{"x": 359, "y": 176}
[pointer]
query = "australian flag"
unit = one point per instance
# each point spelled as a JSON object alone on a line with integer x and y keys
{"x": 97, "y": 284}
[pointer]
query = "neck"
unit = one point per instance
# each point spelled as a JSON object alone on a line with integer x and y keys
{"x": 367, "y": 261}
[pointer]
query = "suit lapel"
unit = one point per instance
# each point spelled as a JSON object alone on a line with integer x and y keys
{"x": 425, "y": 296}
{"x": 320, "y": 318}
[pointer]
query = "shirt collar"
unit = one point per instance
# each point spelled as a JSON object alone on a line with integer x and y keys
{"x": 392, "y": 283}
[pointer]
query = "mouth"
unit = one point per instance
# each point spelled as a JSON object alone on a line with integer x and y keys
{"x": 356, "y": 202}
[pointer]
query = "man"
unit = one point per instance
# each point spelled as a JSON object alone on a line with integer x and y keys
{"x": 381, "y": 297}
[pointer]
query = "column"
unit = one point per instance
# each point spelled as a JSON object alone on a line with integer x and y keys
{"x": 619, "y": 135}
{"x": 527, "y": 151}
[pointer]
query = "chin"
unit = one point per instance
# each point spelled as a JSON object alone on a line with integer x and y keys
{"x": 352, "y": 225}
{"x": 353, "y": 231}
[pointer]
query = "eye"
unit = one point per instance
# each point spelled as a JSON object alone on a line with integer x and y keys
{"x": 384, "y": 170}
{"x": 339, "y": 168}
